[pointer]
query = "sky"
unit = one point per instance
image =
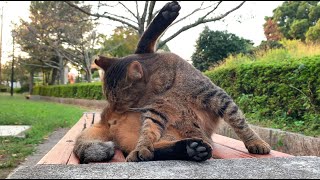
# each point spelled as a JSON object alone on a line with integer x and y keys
{"x": 251, "y": 16}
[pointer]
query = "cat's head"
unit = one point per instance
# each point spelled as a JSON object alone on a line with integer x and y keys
{"x": 124, "y": 81}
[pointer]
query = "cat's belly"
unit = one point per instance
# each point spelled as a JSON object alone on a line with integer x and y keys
{"x": 125, "y": 131}
{"x": 209, "y": 122}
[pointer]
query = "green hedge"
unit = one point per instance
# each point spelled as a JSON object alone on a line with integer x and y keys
{"x": 287, "y": 90}
{"x": 79, "y": 91}
{"x": 3, "y": 88}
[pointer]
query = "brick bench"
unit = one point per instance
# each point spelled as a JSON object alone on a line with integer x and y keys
{"x": 223, "y": 147}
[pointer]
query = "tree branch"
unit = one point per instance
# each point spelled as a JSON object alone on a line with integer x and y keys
{"x": 151, "y": 7}
{"x": 199, "y": 21}
{"x": 223, "y": 15}
{"x": 144, "y": 14}
{"x": 122, "y": 17}
{"x": 50, "y": 65}
{"x": 33, "y": 65}
{"x": 196, "y": 10}
{"x": 212, "y": 10}
{"x": 128, "y": 10}
{"x": 104, "y": 16}
{"x": 138, "y": 16}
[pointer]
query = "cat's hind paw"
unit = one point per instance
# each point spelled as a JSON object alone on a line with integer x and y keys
{"x": 97, "y": 152}
{"x": 198, "y": 150}
{"x": 171, "y": 10}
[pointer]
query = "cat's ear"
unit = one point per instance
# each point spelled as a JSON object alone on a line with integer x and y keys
{"x": 104, "y": 62}
{"x": 135, "y": 71}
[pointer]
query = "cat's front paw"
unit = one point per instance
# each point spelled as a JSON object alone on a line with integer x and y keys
{"x": 258, "y": 146}
{"x": 97, "y": 152}
{"x": 140, "y": 154}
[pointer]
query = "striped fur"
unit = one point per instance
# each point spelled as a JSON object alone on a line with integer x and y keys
{"x": 160, "y": 107}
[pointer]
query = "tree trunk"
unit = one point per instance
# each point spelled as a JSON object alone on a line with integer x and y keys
{"x": 61, "y": 68}
{"x": 31, "y": 82}
{"x": 88, "y": 75}
{"x": 43, "y": 78}
{"x": 53, "y": 76}
{"x": 47, "y": 77}
{"x": 87, "y": 66}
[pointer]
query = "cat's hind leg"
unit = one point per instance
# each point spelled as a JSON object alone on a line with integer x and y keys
{"x": 92, "y": 145}
{"x": 191, "y": 149}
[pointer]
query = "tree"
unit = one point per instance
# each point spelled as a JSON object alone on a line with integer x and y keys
{"x": 313, "y": 34}
{"x": 298, "y": 29}
{"x": 214, "y": 46}
{"x": 20, "y": 73}
{"x": 80, "y": 51}
{"x": 139, "y": 18}
{"x": 40, "y": 56}
{"x": 271, "y": 30}
{"x": 121, "y": 43}
{"x": 55, "y": 36}
{"x": 295, "y": 17}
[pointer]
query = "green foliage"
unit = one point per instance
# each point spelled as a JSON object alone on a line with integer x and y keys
{"x": 3, "y": 88}
{"x": 24, "y": 88}
{"x": 164, "y": 48}
{"x": 214, "y": 46}
{"x": 285, "y": 93}
{"x": 79, "y": 91}
{"x": 44, "y": 117}
{"x": 291, "y": 50}
{"x": 298, "y": 29}
{"x": 294, "y": 18}
{"x": 270, "y": 44}
{"x": 95, "y": 74}
{"x": 313, "y": 34}
{"x": 121, "y": 43}
{"x": 20, "y": 72}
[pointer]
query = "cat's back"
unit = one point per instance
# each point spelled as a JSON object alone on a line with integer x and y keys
{"x": 187, "y": 78}
{"x": 168, "y": 71}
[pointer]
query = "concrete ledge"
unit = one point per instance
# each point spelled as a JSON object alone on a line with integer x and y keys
{"x": 270, "y": 168}
{"x": 287, "y": 142}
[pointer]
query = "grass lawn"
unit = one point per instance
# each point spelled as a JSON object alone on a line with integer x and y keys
{"x": 44, "y": 117}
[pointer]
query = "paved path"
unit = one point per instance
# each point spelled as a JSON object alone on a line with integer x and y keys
{"x": 268, "y": 168}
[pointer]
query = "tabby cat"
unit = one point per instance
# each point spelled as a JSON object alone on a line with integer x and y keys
{"x": 160, "y": 107}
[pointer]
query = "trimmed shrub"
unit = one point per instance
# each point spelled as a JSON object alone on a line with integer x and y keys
{"x": 3, "y": 88}
{"x": 284, "y": 91}
{"x": 79, "y": 91}
{"x": 290, "y": 86}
